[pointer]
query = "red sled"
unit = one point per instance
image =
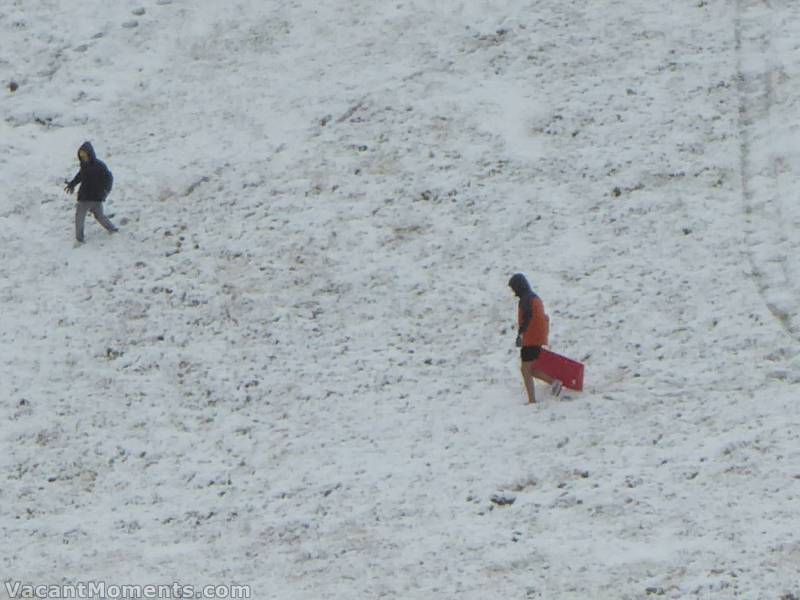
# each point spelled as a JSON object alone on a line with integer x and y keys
{"x": 567, "y": 371}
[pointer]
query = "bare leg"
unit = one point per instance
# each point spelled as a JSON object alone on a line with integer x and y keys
{"x": 527, "y": 378}
{"x": 555, "y": 385}
{"x": 542, "y": 376}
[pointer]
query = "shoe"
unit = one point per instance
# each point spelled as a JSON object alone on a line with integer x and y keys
{"x": 555, "y": 387}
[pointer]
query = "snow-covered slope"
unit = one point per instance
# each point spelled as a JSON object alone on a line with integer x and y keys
{"x": 294, "y": 367}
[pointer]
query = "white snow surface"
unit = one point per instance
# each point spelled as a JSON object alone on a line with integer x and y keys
{"x": 294, "y": 367}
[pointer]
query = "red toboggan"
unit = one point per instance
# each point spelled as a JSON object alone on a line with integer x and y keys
{"x": 567, "y": 371}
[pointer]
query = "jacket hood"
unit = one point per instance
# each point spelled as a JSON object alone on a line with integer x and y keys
{"x": 87, "y": 147}
{"x": 520, "y": 285}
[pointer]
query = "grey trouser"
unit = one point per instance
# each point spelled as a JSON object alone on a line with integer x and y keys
{"x": 96, "y": 208}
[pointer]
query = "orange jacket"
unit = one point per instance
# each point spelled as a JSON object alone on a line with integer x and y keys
{"x": 539, "y": 325}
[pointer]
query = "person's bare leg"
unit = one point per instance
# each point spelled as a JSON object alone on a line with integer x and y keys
{"x": 527, "y": 379}
{"x": 539, "y": 375}
{"x": 555, "y": 388}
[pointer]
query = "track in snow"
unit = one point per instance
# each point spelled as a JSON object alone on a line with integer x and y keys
{"x": 765, "y": 163}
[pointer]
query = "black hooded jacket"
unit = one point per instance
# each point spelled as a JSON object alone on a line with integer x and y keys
{"x": 95, "y": 178}
{"x": 523, "y": 290}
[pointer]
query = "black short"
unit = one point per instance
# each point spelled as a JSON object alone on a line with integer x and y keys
{"x": 529, "y": 353}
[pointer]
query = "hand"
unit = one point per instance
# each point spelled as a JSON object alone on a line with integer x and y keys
{"x": 519, "y": 340}
{"x": 69, "y": 188}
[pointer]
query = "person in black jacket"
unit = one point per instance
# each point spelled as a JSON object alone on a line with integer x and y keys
{"x": 96, "y": 181}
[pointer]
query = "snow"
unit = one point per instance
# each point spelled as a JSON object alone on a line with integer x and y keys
{"x": 294, "y": 367}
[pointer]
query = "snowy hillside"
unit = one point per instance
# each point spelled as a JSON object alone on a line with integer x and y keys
{"x": 294, "y": 368}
